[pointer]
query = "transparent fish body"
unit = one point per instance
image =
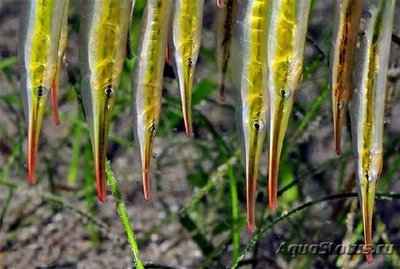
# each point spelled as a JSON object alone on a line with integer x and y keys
{"x": 41, "y": 22}
{"x": 347, "y": 22}
{"x": 187, "y": 21}
{"x": 249, "y": 66}
{"x": 368, "y": 107}
{"x": 103, "y": 37}
{"x": 286, "y": 43}
{"x": 226, "y": 15}
{"x": 147, "y": 80}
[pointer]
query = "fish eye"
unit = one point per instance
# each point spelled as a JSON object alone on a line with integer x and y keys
{"x": 152, "y": 128}
{"x": 190, "y": 62}
{"x": 258, "y": 126}
{"x": 41, "y": 91}
{"x": 109, "y": 90}
{"x": 285, "y": 93}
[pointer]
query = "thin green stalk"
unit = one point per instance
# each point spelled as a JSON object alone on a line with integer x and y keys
{"x": 76, "y": 147}
{"x": 112, "y": 183}
{"x": 235, "y": 214}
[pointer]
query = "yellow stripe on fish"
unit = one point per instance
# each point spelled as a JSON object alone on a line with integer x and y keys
{"x": 147, "y": 81}
{"x": 186, "y": 39}
{"x": 286, "y": 43}
{"x": 40, "y": 34}
{"x": 347, "y": 21}
{"x": 368, "y": 109}
{"x": 104, "y": 31}
{"x": 249, "y": 45}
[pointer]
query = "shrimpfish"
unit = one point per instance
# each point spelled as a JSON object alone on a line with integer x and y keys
{"x": 147, "y": 80}
{"x": 225, "y": 19}
{"x": 249, "y": 66}
{"x": 41, "y": 24}
{"x": 103, "y": 37}
{"x": 187, "y": 21}
{"x": 61, "y": 54}
{"x": 286, "y": 43}
{"x": 347, "y": 22}
{"x": 368, "y": 108}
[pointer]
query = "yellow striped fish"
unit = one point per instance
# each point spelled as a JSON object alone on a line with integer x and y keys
{"x": 368, "y": 108}
{"x": 61, "y": 53}
{"x": 40, "y": 34}
{"x": 147, "y": 81}
{"x": 103, "y": 34}
{"x": 249, "y": 45}
{"x": 187, "y": 21}
{"x": 347, "y": 22}
{"x": 225, "y": 19}
{"x": 286, "y": 43}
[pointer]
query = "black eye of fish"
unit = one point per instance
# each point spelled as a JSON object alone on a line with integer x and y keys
{"x": 285, "y": 93}
{"x": 152, "y": 128}
{"x": 40, "y": 91}
{"x": 109, "y": 90}
{"x": 258, "y": 126}
{"x": 190, "y": 62}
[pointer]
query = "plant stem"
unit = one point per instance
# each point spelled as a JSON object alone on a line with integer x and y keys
{"x": 112, "y": 183}
{"x": 235, "y": 214}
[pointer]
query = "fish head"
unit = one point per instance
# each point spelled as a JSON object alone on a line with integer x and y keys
{"x": 35, "y": 106}
{"x": 98, "y": 104}
{"x": 144, "y": 134}
{"x": 368, "y": 177}
{"x": 253, "y": 124}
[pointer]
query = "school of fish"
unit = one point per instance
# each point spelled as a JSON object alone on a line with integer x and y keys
{"x": 261, "y": 41}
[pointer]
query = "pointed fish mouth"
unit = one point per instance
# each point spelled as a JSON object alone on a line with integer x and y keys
{"x": 187, "y": 111}
{"x": 278, "y": 125}
{"x": 251, "y": 191}
{"x": 186, "y": 96}
{"x": 35, "y": 118}
{"x": 367, "y": 203}
{"x": 339, "y": 113}
{"x": 146, "y": 155}
{"x": 100, "y": 177}
{"x": 101, "y": 114}
{"x": 253, "y": 147}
